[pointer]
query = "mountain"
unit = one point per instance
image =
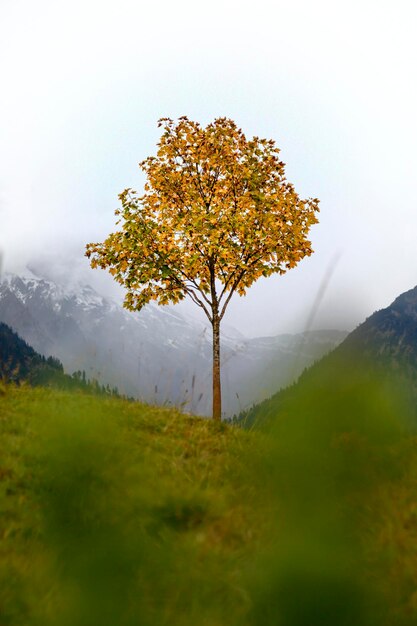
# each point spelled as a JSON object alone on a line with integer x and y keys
{"x": 19, "y": 362}
{"x": 157, "y": 355}
{"x": 255, "y": 368}
{"x": 389, "y": 336}
{"x": 382, "y": 350}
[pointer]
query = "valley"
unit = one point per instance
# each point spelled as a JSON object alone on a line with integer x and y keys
{"x": 156, "y": 355}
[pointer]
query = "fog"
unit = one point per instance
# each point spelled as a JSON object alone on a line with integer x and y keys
{"x": 83, "y": 85}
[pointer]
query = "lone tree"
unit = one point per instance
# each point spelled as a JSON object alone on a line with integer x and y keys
{"x": 216, "y": 214}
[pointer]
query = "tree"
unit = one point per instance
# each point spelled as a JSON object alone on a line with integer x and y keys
{"x": 217, "y": 213}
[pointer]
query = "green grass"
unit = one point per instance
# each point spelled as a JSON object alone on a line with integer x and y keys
{"x": 116, "y": 513}
{"x": 107, "y": 501}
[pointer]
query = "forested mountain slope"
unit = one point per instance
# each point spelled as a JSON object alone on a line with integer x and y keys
{"x": 383, "y": 349}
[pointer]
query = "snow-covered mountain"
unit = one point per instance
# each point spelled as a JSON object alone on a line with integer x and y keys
{"x": 157, "y": 354}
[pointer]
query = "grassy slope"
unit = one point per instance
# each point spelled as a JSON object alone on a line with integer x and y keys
{"x": 159, "y": 491}
{"x": 115, "y": 513}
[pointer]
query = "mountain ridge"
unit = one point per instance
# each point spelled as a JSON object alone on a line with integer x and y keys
{"x": 383, "y": 348}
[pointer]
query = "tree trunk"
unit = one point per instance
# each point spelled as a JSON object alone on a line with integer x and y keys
{"x": 217, "y": 393}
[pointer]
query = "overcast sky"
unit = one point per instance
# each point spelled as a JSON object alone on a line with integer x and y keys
{"x": 83, "y": 84}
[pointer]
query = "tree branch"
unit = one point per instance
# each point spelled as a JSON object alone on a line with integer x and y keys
{"x": 197, "y": 301}
{"x": 195, "y": 286}
{"x": 233, "y": 289}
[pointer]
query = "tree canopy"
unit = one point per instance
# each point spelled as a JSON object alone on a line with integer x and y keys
{"x": 216, "y": 214}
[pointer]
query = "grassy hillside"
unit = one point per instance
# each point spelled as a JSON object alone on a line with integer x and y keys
{"x": 115, "y": 513}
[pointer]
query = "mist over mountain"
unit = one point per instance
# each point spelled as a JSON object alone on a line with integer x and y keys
{"x": 157, "y": 354}
{"x": 382, "y": 349}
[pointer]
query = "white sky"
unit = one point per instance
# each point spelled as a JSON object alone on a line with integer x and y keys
{"x": 83, "y": 84}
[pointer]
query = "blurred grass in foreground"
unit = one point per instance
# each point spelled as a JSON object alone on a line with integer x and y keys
{"x": 114, "y": 513}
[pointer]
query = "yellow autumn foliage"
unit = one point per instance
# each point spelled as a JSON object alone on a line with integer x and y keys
{"x": 216, "y": 214}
